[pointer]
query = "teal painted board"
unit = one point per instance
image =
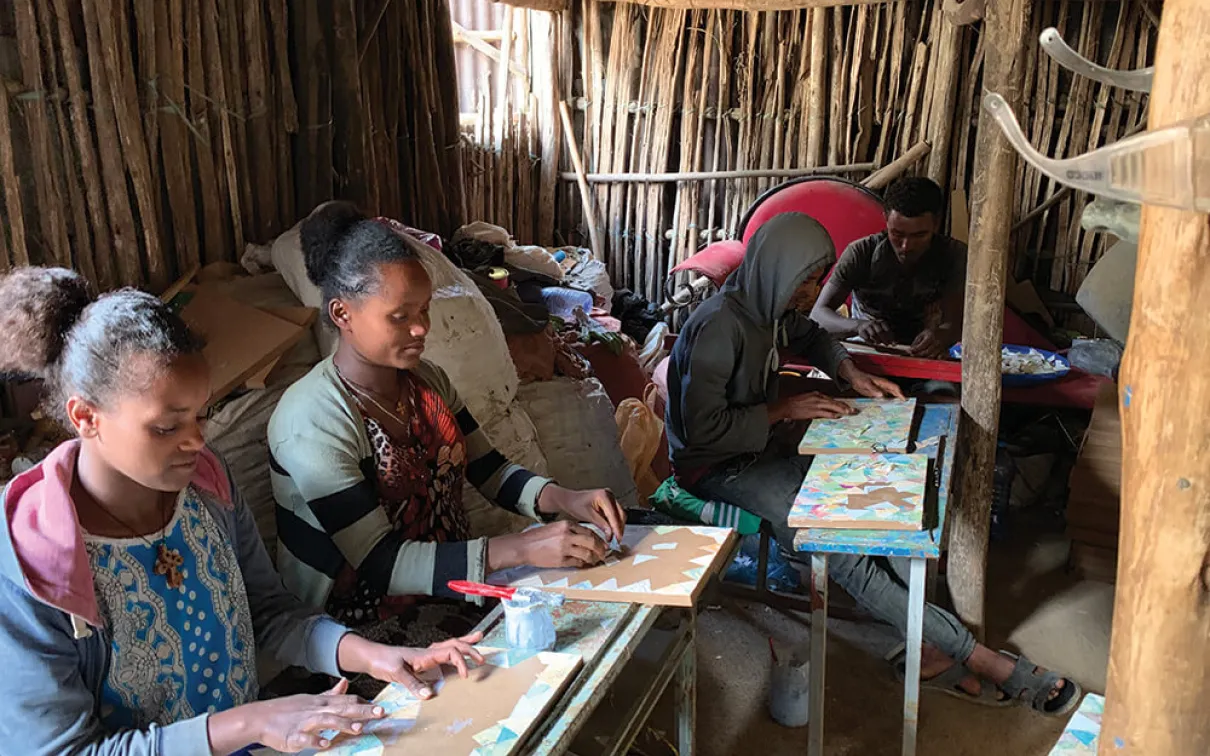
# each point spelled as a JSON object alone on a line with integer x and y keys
{"x": 581, "y": 627}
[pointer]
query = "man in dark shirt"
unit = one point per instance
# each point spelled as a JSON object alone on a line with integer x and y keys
{"x": 906, "y": 282}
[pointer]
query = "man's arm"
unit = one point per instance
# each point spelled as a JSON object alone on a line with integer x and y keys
{"x": 825, "y": 312}
{"x": 852, "y": 269}
{"x": 934, "y": 341}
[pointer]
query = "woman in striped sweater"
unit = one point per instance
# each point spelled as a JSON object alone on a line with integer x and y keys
{"x": 370, "y": 450}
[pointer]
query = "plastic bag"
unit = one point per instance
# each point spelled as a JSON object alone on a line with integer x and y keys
{"x": 639, "y": 432}
{"x": 484, "y": 232}
{"x": 780, "y": 575}
{"x": 1096, "y": 356}
{"x": 577, "y": 434}
{"x": 535, "y": 259}
{"x": 653, "y": 350}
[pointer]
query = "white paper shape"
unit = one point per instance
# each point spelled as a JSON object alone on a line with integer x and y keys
{"x": 643, "y": 586}
{"x": 663, "y": 546}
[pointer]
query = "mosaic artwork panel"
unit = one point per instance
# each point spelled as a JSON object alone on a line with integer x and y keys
{"x": 862, "y": 491}
{"x": 489, "y": 713}
{"x": 880, "y": 425}
{"x": 1082, "y": 732}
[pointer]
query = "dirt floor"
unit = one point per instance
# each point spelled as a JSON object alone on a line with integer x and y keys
{"x": 1053, "y": 617}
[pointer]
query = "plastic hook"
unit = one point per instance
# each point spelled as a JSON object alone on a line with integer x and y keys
{"x": 1138, "y": 80}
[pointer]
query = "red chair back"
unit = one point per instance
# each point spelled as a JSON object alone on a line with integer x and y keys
{"x": 847, "y": 210}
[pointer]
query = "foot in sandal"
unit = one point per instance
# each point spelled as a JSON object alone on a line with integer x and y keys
{"x": 941, "y": 673}
{"x": 1021, "y": 680}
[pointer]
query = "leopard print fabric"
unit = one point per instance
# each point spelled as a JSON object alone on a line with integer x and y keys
{"x": 420, "y": 478}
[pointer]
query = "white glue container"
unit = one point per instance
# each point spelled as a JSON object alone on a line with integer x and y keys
{"x": 528, "y": 624}
{"x": 789, "y": 686}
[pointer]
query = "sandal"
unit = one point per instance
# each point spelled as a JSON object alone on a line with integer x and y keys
{"x": 949, "y": 682}
{"x": 1025, "y": 684}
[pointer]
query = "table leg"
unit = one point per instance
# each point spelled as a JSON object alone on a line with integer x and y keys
{"x": 685, "y": 684}
{"x": 819, "y": 651}
{"x": 915, "y": 639}
{"x": 930, "y": 580}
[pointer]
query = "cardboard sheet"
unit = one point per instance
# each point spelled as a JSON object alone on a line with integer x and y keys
{"x": 303, "y": 317}
{"x": 666, "y": 565}
{"x": 490, "y": 713}
{"x": 240, "y": 340}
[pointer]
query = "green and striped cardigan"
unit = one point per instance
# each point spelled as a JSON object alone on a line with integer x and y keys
{"x": 324, "y": 481}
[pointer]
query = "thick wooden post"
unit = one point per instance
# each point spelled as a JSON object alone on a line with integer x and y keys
{"x": 1159, "y": 662}
{"x": 992, "y": 189}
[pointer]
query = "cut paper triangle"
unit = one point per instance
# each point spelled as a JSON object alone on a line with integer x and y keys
{"x": 640, "y": 558}
{"x": 506, "y": 735}
{"x": 488, "y": 736}
{"x": 609, "y": 585}
{"x": 643, "y": 586}
{"x": 560, "y": 583}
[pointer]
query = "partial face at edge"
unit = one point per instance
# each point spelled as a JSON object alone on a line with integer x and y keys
{"x": 808, "y": 291}
{"x": 152, "y": 431}
{"x": 910, "y": 237}
{"x": 388, "y": 326}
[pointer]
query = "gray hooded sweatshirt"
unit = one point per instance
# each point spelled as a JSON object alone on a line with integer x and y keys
{"x": 723, "y": 371}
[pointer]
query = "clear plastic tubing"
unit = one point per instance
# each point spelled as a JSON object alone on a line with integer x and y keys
{"x": 1169, "y": 166}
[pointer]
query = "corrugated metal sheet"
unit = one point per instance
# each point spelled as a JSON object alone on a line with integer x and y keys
{"x": 474, "y": 68}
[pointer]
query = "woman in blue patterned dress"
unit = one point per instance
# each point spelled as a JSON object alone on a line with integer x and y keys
{"x": 135, "y": 591}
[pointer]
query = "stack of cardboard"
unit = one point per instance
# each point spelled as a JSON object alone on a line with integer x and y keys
{"x": 243, "y": 344}
{"x": 1094, "y": 502}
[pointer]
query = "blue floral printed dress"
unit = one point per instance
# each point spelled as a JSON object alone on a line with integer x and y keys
{"x": 183, "y": 642}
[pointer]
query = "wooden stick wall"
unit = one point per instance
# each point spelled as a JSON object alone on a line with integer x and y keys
{"x": 668, "y": 89}
{"x": 139, "y": 138}
{"x": 1069, "y": 115}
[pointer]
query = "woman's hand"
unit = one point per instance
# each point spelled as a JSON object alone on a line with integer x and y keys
{"x": 559, "y": 544}
{"x": 809, "y": 406}
{"x": 291, "y": 723}
{"x": 868, "y": 385}
{"x": 399, "y": 664}
{"x": 597, "y": 506}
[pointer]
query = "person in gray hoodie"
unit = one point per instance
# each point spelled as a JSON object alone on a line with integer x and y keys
{"x": 723, "y": 415}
